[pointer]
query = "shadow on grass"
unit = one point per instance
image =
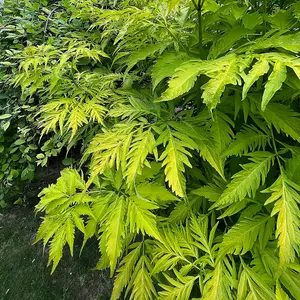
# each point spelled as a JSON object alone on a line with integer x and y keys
{"x": 23, "y": 267}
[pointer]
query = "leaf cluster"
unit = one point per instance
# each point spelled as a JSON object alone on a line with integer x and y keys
{"x": 186, "y": 114}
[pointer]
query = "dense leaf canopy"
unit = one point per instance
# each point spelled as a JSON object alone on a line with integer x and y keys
{"x": 186, "y": 118}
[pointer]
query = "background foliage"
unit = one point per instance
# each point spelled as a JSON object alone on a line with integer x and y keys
{"x": 185, "y": 115}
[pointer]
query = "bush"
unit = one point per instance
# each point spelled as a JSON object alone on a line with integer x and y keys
{"x": 22, "y": 24}
{"x": 186, "y": 114}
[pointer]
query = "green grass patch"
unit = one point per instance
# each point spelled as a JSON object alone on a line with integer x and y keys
{"x": 23, "y": 267}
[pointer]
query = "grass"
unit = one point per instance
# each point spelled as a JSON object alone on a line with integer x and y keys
{"x": 23, "y": 267}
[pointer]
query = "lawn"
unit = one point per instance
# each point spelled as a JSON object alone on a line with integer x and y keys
{"x": 23, "y": 266}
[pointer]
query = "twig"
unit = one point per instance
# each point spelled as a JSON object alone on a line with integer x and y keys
{"x": 47, "y": 22}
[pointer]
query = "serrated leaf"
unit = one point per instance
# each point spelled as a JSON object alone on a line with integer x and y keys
{"x": 142, "y": 145}
{"x": 142, "y": 54}
{"x": 56, "y": 248}
{"x": 166, "y": 65}
{"x": 250, "y": 21}
{"x": 125, "y": 271}
{"x": 115, "y": 232}
{"x": 227, "y": 73}
{"x": 255, "y": 287}
{"x": 174, "y": 157}
{"x": 260, "y": 68}
{"x": 286, "y": 200}
{"x": 248, "y": 139}
{"x": 155, "y": 192}
{"x": 247, "y": 181}
{"x": 78, "y": 222}
{"x": 218, "y": 287}
{"x": 70, "y": 234}
{"x": 141, "y": 283}
{"x": 283, "y": 119}
{"x": 140, "y": 218}
{"x": 275, "y": 81}
{"x": 289, "y": 42}
{"x": 243, "y": 235}
{"x": 227, "y": 41}
{"x": 180, "y": 288}
{"x": 183, "y": 80}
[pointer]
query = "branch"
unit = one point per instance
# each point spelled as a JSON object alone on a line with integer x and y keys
{"x": 200, "y": 36}
{"x": 195, "y": 4}
{"x": 47, "y": 22}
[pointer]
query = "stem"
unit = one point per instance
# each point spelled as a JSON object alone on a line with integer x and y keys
{"x": 198, "y": 7}
{"x": 47, "y": 22}
{"x": 265, "y": 15}
{"x": 275, "y": 148}
{"x": 181, "y": 45}
{"x": 200, "y": 33}
{"x": 195, "y": 4}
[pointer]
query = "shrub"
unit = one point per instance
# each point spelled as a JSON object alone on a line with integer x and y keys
{"x": 187, "y": 118}
{"x": 22, "y": 24}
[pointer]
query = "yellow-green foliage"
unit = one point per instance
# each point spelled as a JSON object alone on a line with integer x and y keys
{"x": 187, "y": 118}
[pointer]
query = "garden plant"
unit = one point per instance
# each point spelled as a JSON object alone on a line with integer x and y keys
{"x": 185, "y": 117}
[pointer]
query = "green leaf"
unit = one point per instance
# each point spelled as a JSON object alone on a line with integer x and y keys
{"x": 218, "y": 286}
{"x": 20, "y": 141}
{"x": 141, "y": 283}
{"x": 208, "y": 153}
{"x": 125, "y": 271}
{"x": 227, "y": 72}
{"x": 248, "y": 139}
{"x": 283, "y": 119}
{"x": 166, "y": 65}
{"x": 6, "y": 125}
{"x": 109, "y": 149}
{"x": 247, "y": 181}
{"x": 28, "y": 173}
{"x": 275, "y": 81}
{"x": 209, "y": 144}
{"x": 289, "y": 42}
{"x": 5, "y": 116}
{"x": 56, "y": 248}
{"x": 140, "y": 218}
{"x": 250, "y": 21}
{"x": 174, "y": 157}
{"x": 221, "y": 131}
{"x": 281, "y": 19}
{"x": 183, "y": 80}
{"x": 142, "y": 54}
{"x": 226, "y": 41}
{"x": 286, "y": 200}
{"x": 142, "y": 145}
{"x": 40, "y": 156}
{"x": 180, "y": 288}
{"x": 177, "y": 244}
{"x": 115, "y": 232}
{"x": 253, "y": 286}
{"x": 243, "y": 235}
{"x": 70, "y": 234}
{"x": 155, "y": 192}
{"x": 280, "y": 293}
{"x": 78, "y": 222}
{"x": 260, "y": 68}
{"x": 76, "y": 119}
{"x": 67, "y": 161}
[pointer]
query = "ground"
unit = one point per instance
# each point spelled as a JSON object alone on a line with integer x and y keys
{"x": 23, "y": 267}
